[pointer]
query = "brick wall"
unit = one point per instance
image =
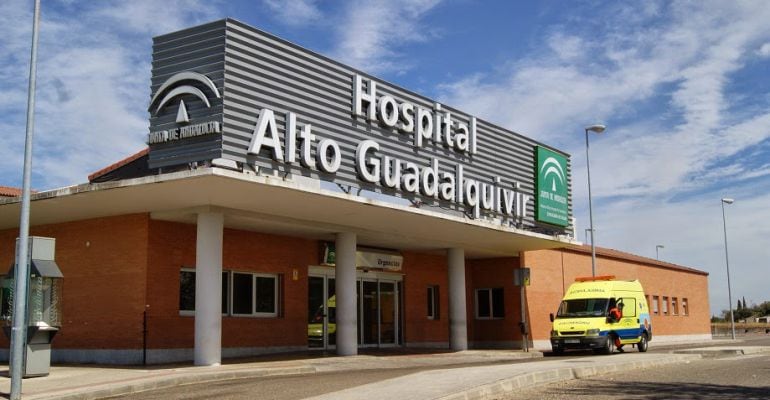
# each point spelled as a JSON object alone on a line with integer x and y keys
{"x": 421, "y": 271}
{"x": 554, "y": 270}
{"x": 493, "y": 273}
{"x": 243, "y": 251}
{"x": 103, "y": 261}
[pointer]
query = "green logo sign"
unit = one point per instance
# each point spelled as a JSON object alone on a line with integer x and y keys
{"x": 551, "y": 188}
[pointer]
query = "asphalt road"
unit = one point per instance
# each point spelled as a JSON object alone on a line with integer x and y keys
{"x": 737, "y": 377}
{"x": 281, "y": 387}
{"x": 730, "y": 378}
{"x": 276, "y": 388}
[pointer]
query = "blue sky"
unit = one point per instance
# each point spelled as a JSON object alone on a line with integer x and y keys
{"x": 682, "y": 86}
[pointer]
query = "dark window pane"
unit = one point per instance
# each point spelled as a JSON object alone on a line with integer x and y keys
{"x": 430, "y": 302}
{"x": 498, "y": 303}
{"x": 187, "y": 291}
{"x": 482, "y": 301}
{"x": 265, "y": 294}
{"x": 242, "y": 293}
{"x": 225, "y": 292}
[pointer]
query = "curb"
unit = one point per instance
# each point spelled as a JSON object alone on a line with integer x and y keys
{"x": 154, "y": 383}
{"x": 564, "y": 374}
{"x": 716, "y": 352}
{"x": 180, "y": 377}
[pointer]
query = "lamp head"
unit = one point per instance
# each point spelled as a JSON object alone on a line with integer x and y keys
{"x": 660, "y": 246}
{"x": 596, "y": 128}
{"x": 728, "y": 200}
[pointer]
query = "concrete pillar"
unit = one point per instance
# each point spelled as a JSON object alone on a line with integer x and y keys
{"x": 208, "y": 289}
{"x": 458, "y": 324}
{"x": 345, "y": 281}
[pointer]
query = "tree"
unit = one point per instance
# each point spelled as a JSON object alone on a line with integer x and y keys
{"x": 764, "y": 309}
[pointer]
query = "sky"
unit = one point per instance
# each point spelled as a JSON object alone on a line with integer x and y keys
{"x": 682, "y": 86}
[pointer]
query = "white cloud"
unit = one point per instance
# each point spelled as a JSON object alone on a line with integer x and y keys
{"x": 372, "y": 32}
{"x": 764, "y": 50}
{"x": 692, "y": 57}
{"x": 655, "y": 180}
{"x": 691, "y": 231}
{"x": 295, "y": 12}
{"x": 152, "y": 16}
{"x": 566, "y": 47}
{"x": 92, "y": 82}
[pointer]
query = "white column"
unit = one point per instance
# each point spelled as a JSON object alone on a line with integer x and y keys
{"x": 345, "y": 281}
{"x": 208, "y": 289}
{"x": 458, "y": 324}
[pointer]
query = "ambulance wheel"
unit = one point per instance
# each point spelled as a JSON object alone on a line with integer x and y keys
{"x": 609, "y": 347}
{"x": 642, "y": 345}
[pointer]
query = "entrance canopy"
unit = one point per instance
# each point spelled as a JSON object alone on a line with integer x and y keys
{"x": 291, "y": 207}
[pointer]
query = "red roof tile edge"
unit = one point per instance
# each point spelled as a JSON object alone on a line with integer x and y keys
{"x": 7, "y": 191}
{"x": 612, "y": 253}
{"x": 118, "y": 164}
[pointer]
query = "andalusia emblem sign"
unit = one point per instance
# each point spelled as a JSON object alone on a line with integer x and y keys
{"x": 551, "y": 187}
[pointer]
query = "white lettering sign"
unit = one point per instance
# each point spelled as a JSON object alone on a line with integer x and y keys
{"x": 431, "y": 180}
{"x": 431, "y": 125}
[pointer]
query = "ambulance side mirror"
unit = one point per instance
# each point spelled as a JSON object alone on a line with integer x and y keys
{"x": 551, "y": 317}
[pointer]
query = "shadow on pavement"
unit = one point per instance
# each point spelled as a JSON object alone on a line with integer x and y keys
{"x": 671, "y": 391}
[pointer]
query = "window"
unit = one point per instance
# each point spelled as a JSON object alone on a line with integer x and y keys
{"x": 685, "y": 307}
{"x": 665, "y": 305}
{"x": 489, "y": 303}
{"x": 655, "y": 305}
{"x": 629, "y": 306}
{"x": 187, "y": 291}
{"x": 582, "y": 308}
{"x": 433, "y": 301}
{"x": 255, "y": 294}
{"x": 674, "y": 306}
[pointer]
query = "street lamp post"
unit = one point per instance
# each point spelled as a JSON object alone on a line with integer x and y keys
{"x": 727, "y": 264}
{"x": 595, "y": 129}
{"x": 19, "y": 328}
{"x": 658, "y": 247}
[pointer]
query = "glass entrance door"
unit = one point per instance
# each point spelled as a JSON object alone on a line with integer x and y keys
{"x": 369, "y": 317}
{"x": 322, "y": 312}
{"x": 388, "y": 314}
{"x": 378, "y": 316}
{"x": 378, "y": 305}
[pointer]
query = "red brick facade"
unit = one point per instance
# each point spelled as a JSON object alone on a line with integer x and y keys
{"x": 117, "y": 268}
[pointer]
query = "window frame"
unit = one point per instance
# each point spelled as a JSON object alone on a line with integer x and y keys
{"x": 433, "y": 302}
{"x": 629, "y": 306}
{"x": 225, "y": 279}
{"x": 254, "y": 313}
{"x": 685, "y": 307}
{"x": 674, "y": 306}
{"x": 490, "y": 293}
{"x": 664, "y": 305}
{"x": 655, "y": 305}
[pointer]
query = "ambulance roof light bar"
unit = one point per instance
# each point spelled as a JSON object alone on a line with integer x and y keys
{"x": 595, "y": 278}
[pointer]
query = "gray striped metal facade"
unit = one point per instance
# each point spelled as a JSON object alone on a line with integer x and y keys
{"x": 256, "y": 70}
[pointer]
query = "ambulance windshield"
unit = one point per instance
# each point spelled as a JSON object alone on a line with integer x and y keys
{"x": 581, "y": 308}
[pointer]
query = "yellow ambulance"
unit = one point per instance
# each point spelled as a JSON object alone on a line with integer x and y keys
{"x": 603, "y": 314}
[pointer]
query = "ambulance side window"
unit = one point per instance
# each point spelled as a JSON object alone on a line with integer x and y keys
{"x": 629, "y": 306}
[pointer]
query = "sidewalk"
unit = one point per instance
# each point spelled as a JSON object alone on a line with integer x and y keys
{"x": 487, "y": 372}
